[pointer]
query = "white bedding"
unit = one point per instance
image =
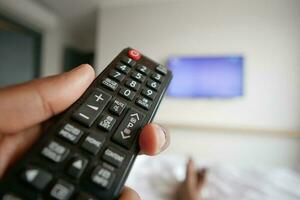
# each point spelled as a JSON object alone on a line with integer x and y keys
{"x": 156, "y": 179}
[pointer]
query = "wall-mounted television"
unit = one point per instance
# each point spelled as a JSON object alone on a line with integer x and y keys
{"x": 206, "y": 76}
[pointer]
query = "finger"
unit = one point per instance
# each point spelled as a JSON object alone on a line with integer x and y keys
{"x": 201, "y": 176}
{"x": 129, "y": 194}
{"x": 12, "y": 146}
{"x": 30, "y": 103}
{"x": 153, "y": 139}
{"x": 191, "y": 175}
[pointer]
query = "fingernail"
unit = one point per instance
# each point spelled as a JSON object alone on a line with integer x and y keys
{"x": 162, "y": 134}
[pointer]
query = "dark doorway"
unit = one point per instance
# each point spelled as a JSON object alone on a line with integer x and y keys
{"x": 74, "y": 57}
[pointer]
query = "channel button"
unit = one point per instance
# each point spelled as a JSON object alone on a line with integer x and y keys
{"x": 128, "y": 129}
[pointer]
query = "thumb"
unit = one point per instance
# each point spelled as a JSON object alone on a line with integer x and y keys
{"x": 27, "y": 104}
{"x": 129, "y": 194}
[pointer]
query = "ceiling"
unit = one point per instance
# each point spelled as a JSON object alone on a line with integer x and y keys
{"x": 74, "y": 8}
{"x": 79, "y": 16}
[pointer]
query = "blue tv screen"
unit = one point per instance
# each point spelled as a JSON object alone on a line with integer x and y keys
{"x": 220, "y": 77}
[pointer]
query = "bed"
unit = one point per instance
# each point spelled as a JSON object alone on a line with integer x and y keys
{"x": 156, "y": 178}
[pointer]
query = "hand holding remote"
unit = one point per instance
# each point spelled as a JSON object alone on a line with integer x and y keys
{"x": 26, "y": 107}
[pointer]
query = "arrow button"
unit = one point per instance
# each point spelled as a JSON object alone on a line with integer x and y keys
{"x": 31, "y": 174}
{"x": 77, "y": 167}
{"x": 135, "y": 115}
{"x": 124, "y": 135}
{"x": 129, "y": 128}
{"x": 36, "y": 177}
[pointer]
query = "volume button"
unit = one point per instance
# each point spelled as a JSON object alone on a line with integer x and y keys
{"x": 92, "y": 107}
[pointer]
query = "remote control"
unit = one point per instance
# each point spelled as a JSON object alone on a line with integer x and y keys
{"x": 89, "y": 150}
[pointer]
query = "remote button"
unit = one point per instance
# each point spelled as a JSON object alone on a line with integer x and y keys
{"x": 161, "y": 69}
{"x": 134, "y": 54}
{"x": 149, "y": 93}
{"x": 128, "y": 61}
{"x": 116, "y": 75}
{"x": 122, "y": 68}
{"x": 62, "y": 190}
{"x": 143, "y": 69}
{"x": 157, "y": 77}
{"x": 113, "y": 156}
{"x": 102, "y": 177}
{"x": 11, "y": 196}
{"x": 117, "y": 107}
{"x": 93, "y": 143}
{"x": 36, "y": 177}
{"x": 144, "y": 103}
{"x": 127, "y": 94}
{"x": 110, "y": 84}
{"x": 84, "y": 196}
{"x": 92, "y": 107}
{"x": 107, "y": 122}
{"x": 138, "y": 76}
{"x": 55, "y": 152}
{"x": 70, "y": 133}
{"x": 153, "y": 84}
{"x": 128, "y": 128}
{"x": 77, "y": 167}
{"x": 133, "y": 84}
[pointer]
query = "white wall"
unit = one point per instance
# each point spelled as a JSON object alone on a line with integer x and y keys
{"x": 266, "y": 32}
{"x": 221, "y": 147}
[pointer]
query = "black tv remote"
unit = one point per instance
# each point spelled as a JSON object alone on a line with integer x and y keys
{"x": 89, "y": 151}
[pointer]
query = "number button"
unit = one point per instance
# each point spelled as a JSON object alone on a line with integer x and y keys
{"x": 122, "y": 68}
{"x": 138, "y": 76}
{"x": 153, "y": 84}
{"x": 133, "y": 84}
{"x": 126, "y": 93}
{"x": 128, "y": 61}
{"x": 143, "y": 69}
{"x": 157, "y": 77}
{"x": 149, "y": 93}
{"x": 116, "y": 75}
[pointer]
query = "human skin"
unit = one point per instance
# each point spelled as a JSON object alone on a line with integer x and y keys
{"x": 26, "y": 109}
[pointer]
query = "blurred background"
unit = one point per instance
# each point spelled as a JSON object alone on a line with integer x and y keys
{"x": 241, "y": 110}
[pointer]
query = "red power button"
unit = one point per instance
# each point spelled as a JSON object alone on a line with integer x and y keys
{"x": 134, "y": 54}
